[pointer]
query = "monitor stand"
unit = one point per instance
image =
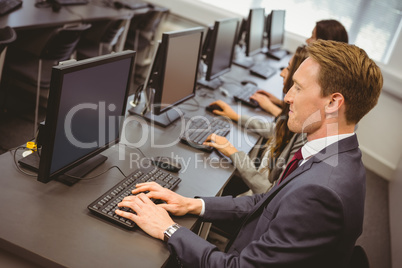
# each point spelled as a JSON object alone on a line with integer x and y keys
{"x": 213, "y": 84}
{"x": 163, "y": 120}
{"x": 245, "y": 62}
{"x": 31, "y": 162}
{"x": 81, "y": 170}
{"x": 277, "y": 54}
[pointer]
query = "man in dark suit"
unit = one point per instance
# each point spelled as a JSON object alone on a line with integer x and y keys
{"x": 313, "y": 217}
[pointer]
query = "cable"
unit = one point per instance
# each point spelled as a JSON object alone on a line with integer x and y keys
{"x": 137, "y": 95}
{"x": 149, "y": 100}
{"x": 197, "y": 105}
{"x": 18, "y": 166}
{"x": 94, "y": 177}
{"x": 136, "y": 148}
{"x": 206, "y": 93}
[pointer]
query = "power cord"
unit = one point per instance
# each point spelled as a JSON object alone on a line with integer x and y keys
{"x": 136, "y": 148}
{"x": 94, "y": 177}
{"x": 16, "y": 162}
{"x": 196, "y": 104}
{"x": 137, "y": 95}
{"x": 32, "y": 146}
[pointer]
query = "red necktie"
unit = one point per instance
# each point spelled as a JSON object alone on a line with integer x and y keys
{"x": 293, "y": 164}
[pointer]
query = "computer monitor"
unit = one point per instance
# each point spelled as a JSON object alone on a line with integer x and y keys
{"x": 86, "y": 107}
{"x": 173, "y": 76}
{"x": 254, "y": 36}
{"x": 276, "y": 34}
{"x": 255, "y": 31}
{"x": 217, "y": 51}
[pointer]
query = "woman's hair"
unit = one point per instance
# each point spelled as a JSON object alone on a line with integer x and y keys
{"x": 331, "y": 30}
{"x": 282, "y": 132}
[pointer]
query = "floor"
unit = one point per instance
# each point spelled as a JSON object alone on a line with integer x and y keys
{"x": 16, "y": 128}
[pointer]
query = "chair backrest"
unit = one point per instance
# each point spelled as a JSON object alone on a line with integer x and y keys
{"x": 7, "y": 35}
{"x": 160, "y": 14}
{"x": 62, "y": 42}
{"x": 146, "y": 23}
{"x": 113, "y": 31}
{"x": 359, "y": 258}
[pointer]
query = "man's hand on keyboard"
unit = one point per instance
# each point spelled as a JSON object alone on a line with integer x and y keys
{"x": 176, "y": 204}
{"x": 151, "y": 218}
{"x": 227, "y": 111}
{"x": 221, "y": 144}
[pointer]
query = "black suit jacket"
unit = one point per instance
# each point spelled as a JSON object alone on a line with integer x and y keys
{"x": 311, "y": 219}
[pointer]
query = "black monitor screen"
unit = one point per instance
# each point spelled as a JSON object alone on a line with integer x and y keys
{"x": 222, "y": 41}
{"x": 276, "y": 31}
{"x": 255, "y": 31}
{"x": 86, "y": 105}
{"x": 174, "y": 72}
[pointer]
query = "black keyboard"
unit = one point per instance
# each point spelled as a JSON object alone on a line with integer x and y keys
{"x": 72, "y": 2}
{"x": 263, "y": 70}
{"x": 199, "y": 128}
{"x": 106, "y": 204}
{"x": 7, "y": 6}
{"x": 245, "y": 94}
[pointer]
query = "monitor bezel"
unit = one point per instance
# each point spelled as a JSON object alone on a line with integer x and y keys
{"x": 161, "y": 59}
{"x": 269, "y": 32}
{"x": 213, "y": 43}
{"x": 206, "y": 45}
{"x": 248, "y": 36}
{"x": 48, "y": 133}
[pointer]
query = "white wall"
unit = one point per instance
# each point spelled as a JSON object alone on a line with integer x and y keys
{"x": 380, "y": 132}
{"x": 395, "y": 201}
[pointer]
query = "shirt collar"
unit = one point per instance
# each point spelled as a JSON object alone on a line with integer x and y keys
{"x": 313, "y": 147}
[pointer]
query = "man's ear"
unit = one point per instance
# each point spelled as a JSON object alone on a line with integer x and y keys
{"x": 336, "y": 100}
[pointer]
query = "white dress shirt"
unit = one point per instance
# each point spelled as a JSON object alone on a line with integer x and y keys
{"x": 311, "y": 148}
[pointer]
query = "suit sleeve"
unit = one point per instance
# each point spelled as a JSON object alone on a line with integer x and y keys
{"x": 291, "y": 238}
{"x": 228, "y": 208}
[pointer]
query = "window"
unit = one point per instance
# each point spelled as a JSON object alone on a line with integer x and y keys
{"x": 371, "y": 24}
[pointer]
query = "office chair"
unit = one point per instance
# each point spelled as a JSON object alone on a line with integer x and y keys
{"x": 142, "y": 34}
{"x": 7, "y": 36}
{"x": 101, "y": 39}
{"x": 359, "y": 258}
{"x": 28, "y": 70}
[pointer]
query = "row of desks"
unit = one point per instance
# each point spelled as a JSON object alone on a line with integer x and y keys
{"x": 31, "y": 17}
{"x": 50, "y": 225}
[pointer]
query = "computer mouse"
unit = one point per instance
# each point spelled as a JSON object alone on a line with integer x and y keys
{"x": 245, "y": 82}
{"x": 167, "y": 163}
{"x": 210, "y": 108}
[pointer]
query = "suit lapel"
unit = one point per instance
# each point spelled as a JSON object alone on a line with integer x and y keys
{"x": 341, "y": 146}
{"x": 334, "y": 149}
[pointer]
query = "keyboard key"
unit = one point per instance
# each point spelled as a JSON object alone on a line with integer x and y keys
{"x": 244, "y": 96}
{"x": 263, "y": 70}
{"x": 199, "y": 128}
{"x": 106, "y": 204}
